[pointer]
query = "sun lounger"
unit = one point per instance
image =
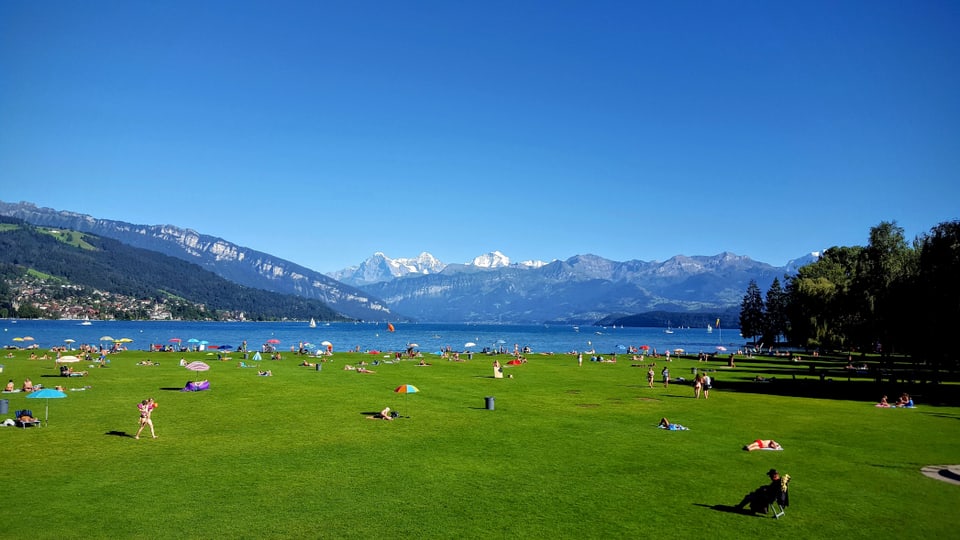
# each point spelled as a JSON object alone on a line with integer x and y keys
{"x": 24, "y": 418}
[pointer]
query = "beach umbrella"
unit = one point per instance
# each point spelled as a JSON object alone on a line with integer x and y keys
{"x": 406, "y": 389}
{"x": 678, "y": 351}
{"x": 69, "y": 341}
{"x": 18, "y": 339}
{"x": 174, "y": 340}
{"x": 326, "y": 343}
{"x": 197, "y": 366}
{"x": 645, "y": 347}
{"x": 622, "y": 347}
{"x": 193, "y": 340}
{"x": 125, "y": 340}
{"x": 273, "y": 341}
{"x": 27, "y": 338}
{"x": 721, "y": 348}
{"x": 226, "y": 347}
{"x": 412, "y": 345}
{"x": 47, "y": 394}
{"x": 470, "y": 344}
{"x": 106, "y": 338}
{"x": 68, "y": 359}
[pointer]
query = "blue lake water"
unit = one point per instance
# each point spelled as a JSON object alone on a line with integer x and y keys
{"x": 428, "y": 338}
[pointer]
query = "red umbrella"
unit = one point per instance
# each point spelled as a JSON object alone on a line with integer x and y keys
{"x": 273, "y": 341}
{"x": 174, "y": 340}
{"x": 645, "y": 347}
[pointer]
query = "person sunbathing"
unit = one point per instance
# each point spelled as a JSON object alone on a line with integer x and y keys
{"x": 364, "y": 370}
{"x": 9, "y": 387}
{"x": 267, "y": 373}
{"x": 666, "y": 424}
{"x": 382, "y": 415}
{"x": 883, "y": 402}
{"x": 27, "y": 385}
{"x": 763, "y": 444}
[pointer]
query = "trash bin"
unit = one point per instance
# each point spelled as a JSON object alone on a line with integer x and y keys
{"x": 489, "y": 402}
{"x": 319, "y": 366}
{"x": 4, "y": 406}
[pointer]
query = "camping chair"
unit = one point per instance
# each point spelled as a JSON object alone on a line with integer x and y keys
{"x": 18, "y": 419}
{"x": 782, "y": 500}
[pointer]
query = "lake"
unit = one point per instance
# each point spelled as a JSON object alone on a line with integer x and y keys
{"x": 428, "y": 337}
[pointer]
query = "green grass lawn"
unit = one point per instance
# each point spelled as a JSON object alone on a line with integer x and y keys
{"x": 568, "y": 452}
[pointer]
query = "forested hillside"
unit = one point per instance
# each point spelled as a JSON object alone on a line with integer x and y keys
{"x": 107, "y": 265}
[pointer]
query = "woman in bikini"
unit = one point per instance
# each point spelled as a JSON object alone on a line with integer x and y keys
{"x": 146, "y": 408}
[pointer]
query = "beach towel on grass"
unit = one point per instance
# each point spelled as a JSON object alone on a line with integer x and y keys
{"x": 674, "y": 427}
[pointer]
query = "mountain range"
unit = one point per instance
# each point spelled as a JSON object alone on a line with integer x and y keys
{"x": 491, "y": 288}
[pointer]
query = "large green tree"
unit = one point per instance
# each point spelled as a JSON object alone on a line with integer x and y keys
{"x": 751, "y": 312}
{"x": 775, "y": 313}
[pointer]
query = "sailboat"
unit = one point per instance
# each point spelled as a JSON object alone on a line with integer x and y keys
{"x": 668, "y": 330}
{"x": 313, "y": 323}
{"x": 86, "y": 322}
{"x": 709, "y": 328}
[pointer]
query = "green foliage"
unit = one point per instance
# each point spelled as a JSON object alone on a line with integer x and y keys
{"x": 775, "y": 322}
{"x": 568, "y": 453}
{"x": 139, "y": 273}
{"x": 751, "y": 312}
{"x": 881, "y": 297}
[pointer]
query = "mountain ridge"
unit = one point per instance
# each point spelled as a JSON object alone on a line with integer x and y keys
{"x": 489, "y": 288}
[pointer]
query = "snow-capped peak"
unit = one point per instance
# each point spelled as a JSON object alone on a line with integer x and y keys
{"x": 494, "y": 259}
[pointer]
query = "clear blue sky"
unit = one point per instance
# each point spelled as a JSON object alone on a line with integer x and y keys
{"x": 322, "y": 132}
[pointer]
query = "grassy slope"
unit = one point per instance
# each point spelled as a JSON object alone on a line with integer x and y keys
{"x": 569, "y": 452}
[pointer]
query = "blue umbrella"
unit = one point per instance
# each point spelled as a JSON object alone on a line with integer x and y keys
{"x": 48, "y": 394}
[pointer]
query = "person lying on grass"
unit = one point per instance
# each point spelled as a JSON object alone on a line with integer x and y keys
{"x": 665, "y": 424}
{"x": 763, "y": 444}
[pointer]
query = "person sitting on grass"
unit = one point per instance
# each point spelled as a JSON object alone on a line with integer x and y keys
{"x": 364, "y": 370}
{"x": 10, "y": 386}
{"x": 761, "y": 498}
{"x": 267, "y": 373}
{"x": 883, "y": 402}
{"x": 763, "y": 444}
{"x": 382, "y": 415}
{"x": 905, "y": 400}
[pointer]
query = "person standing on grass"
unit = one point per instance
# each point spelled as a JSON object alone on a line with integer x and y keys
{"x": 707, "y": 385}
{"x": 697, "y": 385}
{"x": 650, "y": 376}
{"x": 666, "y": 376}
{"x": 146, "y": 408}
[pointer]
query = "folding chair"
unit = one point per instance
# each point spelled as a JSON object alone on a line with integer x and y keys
{"x": 782, "y": 500}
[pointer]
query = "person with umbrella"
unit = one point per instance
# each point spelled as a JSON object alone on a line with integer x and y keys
{"x": 146, "y": 408}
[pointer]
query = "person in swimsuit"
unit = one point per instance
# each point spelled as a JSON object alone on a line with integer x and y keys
{"x": 146, "y": 408}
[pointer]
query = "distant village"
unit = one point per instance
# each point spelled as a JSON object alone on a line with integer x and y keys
{"x": 34, "y": 297}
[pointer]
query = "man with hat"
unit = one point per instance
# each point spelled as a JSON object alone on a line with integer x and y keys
{"x": 760, "y": 498}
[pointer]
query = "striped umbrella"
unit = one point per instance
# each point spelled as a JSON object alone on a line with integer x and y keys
{"x": 406, "y": 389}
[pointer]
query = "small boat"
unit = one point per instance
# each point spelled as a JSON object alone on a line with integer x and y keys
{"x": 313, "y": 323}
{"x": 86, "y": 322}
{"x": 709, "y": 329}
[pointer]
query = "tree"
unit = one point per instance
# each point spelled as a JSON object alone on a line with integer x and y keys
{"x": 751, "y": 312}
{"x": 886, "y": 263}
{"x": 824, "y": 308}
{"x": 775, "y": 315}
{"x": 937, "y": 293}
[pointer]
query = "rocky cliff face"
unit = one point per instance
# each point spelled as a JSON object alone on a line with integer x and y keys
{"x": 238, "y": 264}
